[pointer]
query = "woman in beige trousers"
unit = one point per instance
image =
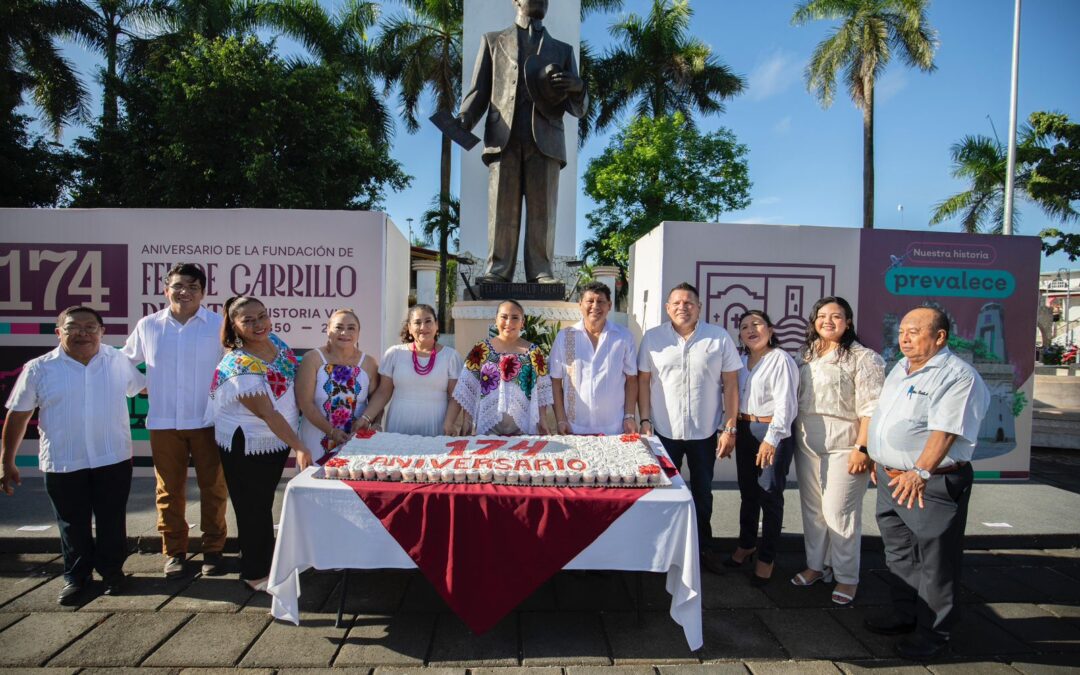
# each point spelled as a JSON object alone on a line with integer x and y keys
{"x": 839, "y": 384}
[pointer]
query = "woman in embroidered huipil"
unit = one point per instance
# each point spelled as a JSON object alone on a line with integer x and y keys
{"x": 333, "y": 385}
{"x": 839, "y": 384}
{"x": 504, "y": 388}
{"x": 253, "y": 409}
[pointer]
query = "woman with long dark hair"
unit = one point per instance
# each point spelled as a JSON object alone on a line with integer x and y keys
{"x": 417, "y": 380}
{"x": 839, "y": 384}
{"x": 253, "y": 409}
{"x": 768, "y": 385}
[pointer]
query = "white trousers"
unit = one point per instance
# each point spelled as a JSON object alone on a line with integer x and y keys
{"x": 831, "y": 500}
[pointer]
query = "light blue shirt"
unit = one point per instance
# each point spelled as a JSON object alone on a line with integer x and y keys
{"x": 947, "y": 394}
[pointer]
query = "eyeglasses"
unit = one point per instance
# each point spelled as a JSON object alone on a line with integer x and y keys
{"x": 190, "y": 288}
{"x": 80, "y": 330}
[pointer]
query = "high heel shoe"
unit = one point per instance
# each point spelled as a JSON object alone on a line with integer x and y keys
{"x": 800, "y": 580}
{"x": 734, "y": 564}
{"x": 757, "y": 581}
{"x": 843, "y": 599}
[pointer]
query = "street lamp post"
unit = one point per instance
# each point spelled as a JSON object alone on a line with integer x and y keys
{"x": 1068, "y": 302}
{"x": 409, "y": 221}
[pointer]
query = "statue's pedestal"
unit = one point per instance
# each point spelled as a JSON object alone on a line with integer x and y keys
{"x": 472, "y": 318}
{"x": 521, "y": 291}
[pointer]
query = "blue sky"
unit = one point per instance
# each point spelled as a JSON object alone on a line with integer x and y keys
{"x": 805, "y": 161}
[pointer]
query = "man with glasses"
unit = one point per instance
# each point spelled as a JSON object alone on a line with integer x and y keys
{"x": 84, "y": 448}
{"x": 688, "y": 391}
{"x": 181, "y": 346}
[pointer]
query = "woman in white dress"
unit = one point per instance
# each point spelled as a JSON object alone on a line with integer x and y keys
{"x": 333, "y": 385}
{"x": 417, "y": 380}
{"x": 839, "y": 384}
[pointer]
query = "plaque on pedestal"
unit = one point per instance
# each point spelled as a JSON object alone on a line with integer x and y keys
{"x": 520, "y": 291}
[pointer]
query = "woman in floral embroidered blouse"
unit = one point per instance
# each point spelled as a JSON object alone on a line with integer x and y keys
{"x": 253, "y": 410}
{"x": 504, "y": 388}
{"x": 333, "y": 386}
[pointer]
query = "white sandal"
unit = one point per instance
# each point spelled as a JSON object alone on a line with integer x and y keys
{"x": 841, "y": 598}
{"x": 800, "y": 580}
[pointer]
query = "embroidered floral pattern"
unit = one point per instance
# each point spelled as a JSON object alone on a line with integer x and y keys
{"x": 509, "y": 367}
{"x": 343, "y": 390}
{"x": 538, "y": 361}
{"x": 279, "y": 373}
{"x": 477, "y": 356}
{"x": 489, "y": 378}
{"x": 527, "y": 379}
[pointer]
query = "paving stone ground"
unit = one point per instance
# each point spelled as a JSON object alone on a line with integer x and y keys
{"x": 1021, "y": 605}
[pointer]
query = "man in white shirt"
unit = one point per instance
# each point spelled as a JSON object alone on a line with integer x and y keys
{"x": 688, "y": 391}
{"x": 181, "y": 346}
{"x": 84, "y": 450}
{"x": 922, "y": 438}
{"x": 593, "y": 369}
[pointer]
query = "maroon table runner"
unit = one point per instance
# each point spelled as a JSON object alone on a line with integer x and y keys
{"x": 485, "y": 547}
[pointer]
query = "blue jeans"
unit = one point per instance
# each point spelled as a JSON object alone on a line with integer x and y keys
{"x": 701, "y": 458}
{"x": 762, "y": 490}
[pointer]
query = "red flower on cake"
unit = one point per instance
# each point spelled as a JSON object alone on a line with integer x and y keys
{"x": 337, "y": 461}
{"x": 648, "y": 469}
{"x": 630, "y": 438}
{"x": 365, "y": 433}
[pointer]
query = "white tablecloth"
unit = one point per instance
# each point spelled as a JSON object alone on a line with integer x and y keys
{"x": 325, "y": 525}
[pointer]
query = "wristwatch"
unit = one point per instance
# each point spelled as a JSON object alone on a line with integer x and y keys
{"x": 862, "y": 449}
{"x": 922, "y": 473}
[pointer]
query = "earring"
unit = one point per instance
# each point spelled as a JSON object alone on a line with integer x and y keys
{"x": 238, "y": 342}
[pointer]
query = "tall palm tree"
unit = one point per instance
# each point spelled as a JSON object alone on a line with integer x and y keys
{"x": 340, "y": 41}
{"x": 586, "y": 59}
{"x": 660, "y": 69}
{"x": 113, "y": 21}
{"x": 862, "y": 45}
{"x": 982, "y": 162}
{"x": 31, "y": 61}
{"x": 421, "y": 49}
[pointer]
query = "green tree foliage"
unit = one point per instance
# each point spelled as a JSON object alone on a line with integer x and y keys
{"x": 661, "y": 169}
{"x": 858, "y": 50}
{"x": 657, "y": 69}
{"x": 223, "y": 123}
{"x": 1054, "y": 181}
{"x": 33, "y": 170}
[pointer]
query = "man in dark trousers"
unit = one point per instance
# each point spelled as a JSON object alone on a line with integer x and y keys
{"x": 526, "y": 80}
{"x": 922, "y": 438}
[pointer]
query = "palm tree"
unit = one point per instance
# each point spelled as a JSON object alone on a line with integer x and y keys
{"x": 586, "y": 59}
{"x": 869, "y": 33}
{"x": 659, "y": 69}
{"x": 110, "y": 22}
{"x": 340, "y": 41}
{"x": 422, "y": 55}
{"x": 981, "y": 161}
{"x": 31, "y": 61}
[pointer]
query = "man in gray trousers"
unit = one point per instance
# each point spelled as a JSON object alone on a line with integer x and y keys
{"x": 526, "y": 80}
{"x": 922, "y": 438}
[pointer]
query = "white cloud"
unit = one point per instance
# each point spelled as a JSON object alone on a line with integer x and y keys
{"x": 783, "y": 126}
{"x": 766, "y": 201}
{"x": 773, "y": 75}
{"x": 891, "y": 83}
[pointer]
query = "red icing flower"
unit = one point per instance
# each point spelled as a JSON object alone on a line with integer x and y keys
{"x": 648, "y": 469}
{"x": 630, "y": 438}
{"x": 337, "y": 461}
{"x": 365, "y": 433}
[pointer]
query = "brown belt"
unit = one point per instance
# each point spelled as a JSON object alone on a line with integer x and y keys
{"x": 893, "y": 473}
{"x": 744, "y": 417}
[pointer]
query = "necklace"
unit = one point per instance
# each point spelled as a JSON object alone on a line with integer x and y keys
{"x": 423, "y": 370}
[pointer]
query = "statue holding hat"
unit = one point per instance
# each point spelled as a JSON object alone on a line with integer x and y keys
{"x": 526, "y": 81}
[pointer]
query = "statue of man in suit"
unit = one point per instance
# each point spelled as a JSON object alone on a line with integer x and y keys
{"x": 526, "y": 80}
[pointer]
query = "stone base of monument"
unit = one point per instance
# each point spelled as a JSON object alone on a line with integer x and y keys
{"x": 520, "y": 291}
{"x": 473, "y": 318}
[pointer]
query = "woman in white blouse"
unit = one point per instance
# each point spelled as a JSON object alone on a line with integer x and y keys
{"x": 768, "y": 383}
{"x": 840, "y": 381}
{"x": 418, "y": 378}
{"x": 253, "y": 409}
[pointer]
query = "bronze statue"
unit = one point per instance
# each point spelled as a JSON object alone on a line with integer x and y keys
{"x": 526, "y": 80}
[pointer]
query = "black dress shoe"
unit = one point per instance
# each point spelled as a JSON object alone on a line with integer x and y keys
{"x": 71, "y": 592}
{"x": 115, "y": 584}
{"x": 758, "y": 582}
{"x": 921, "y": 649}
{"x": 213, "y": 564}
{"x": 735, "y": 564}
{"x": 887, "y": 625}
